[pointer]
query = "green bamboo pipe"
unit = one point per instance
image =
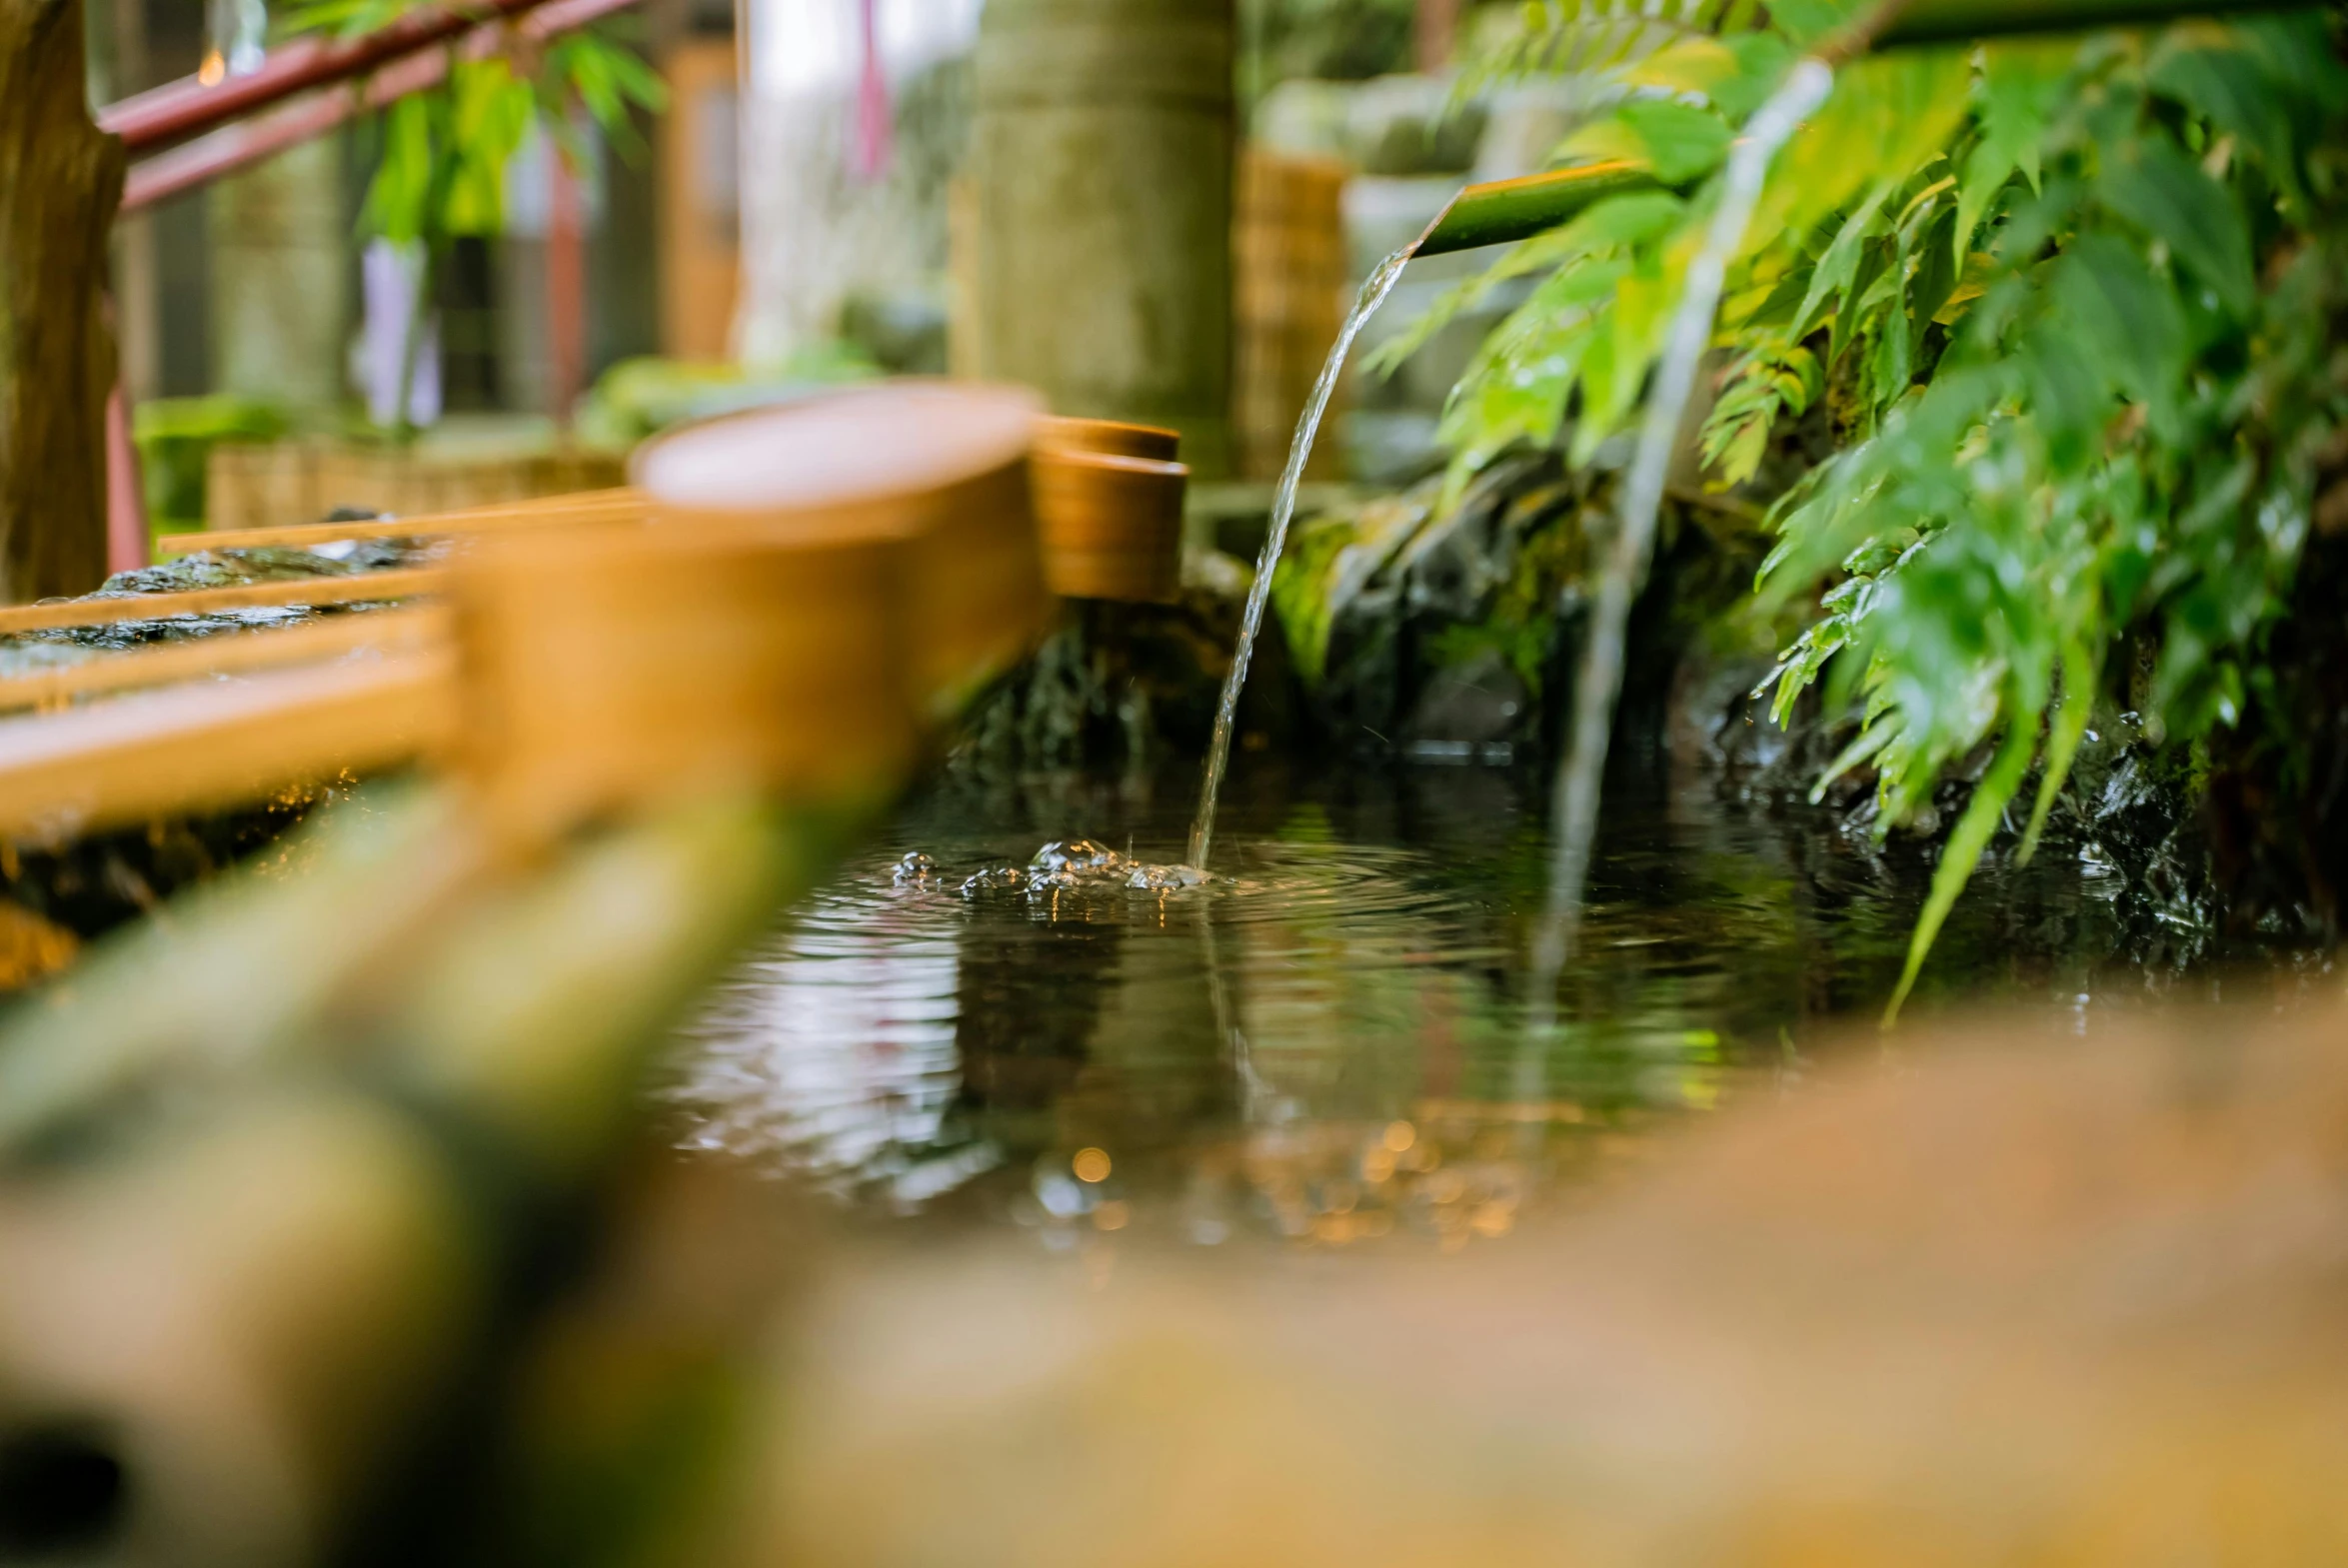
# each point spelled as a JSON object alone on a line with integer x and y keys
{"x": 1508, "y": 209}
{"x": 1505, "y": 211}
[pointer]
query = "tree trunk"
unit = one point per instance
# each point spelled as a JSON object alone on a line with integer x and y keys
{"x": 60, "y": 180}
{"x": 1100, "y": 180}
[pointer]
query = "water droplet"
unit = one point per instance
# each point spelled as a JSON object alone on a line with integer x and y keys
{"x": 1163, "y": 878}
{"x": 1076, "y": 855}
{"x": 1061, "y": 1197}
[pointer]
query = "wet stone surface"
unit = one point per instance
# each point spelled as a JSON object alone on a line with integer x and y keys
{"x": 54, "y": 893}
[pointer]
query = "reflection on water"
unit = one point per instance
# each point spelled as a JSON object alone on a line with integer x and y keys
{"x": 836, "y": 1048}
{"x": 1321, "y": 1042}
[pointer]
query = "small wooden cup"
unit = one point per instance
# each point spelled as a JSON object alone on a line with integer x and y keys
{"x": 1112, "y": 437}
{"x": 1112, "y": 524}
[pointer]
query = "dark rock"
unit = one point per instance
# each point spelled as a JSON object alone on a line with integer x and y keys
{"x": 1415, "y": 624}
{"x": 91, "y": 885}
{"x": 1477, "y": 704}
{"x": 1122, "y": 684}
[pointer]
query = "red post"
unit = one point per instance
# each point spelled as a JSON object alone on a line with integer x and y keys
{"x": 126, "y": 504}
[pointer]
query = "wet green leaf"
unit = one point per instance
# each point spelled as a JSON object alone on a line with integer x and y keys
{"x": 1678, "y": 141}
{"x": 2152, "y": 184}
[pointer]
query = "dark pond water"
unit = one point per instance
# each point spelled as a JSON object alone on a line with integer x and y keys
{"x": 1326, "y": 1043}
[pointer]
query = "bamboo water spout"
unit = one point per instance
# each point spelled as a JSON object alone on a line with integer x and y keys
{"x": 1504, "y": 211}
{"x": 1114, "y": 437}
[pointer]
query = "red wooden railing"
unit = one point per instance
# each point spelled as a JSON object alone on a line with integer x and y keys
{"x": 234, "y": 143}
{"x": 189, "y": 106}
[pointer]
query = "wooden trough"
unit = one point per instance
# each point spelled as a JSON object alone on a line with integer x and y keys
{"x": 648, "y": 717}
{"x": 807, "y": 587}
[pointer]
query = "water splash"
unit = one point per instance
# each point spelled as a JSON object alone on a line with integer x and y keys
{"x": 1071, "y": 865}
{"x": 1600, "y": 685}
{"x": 1284, "y": 506}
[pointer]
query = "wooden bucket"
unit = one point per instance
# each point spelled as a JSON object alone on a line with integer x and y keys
{"x": 623, "y": 668}
{"x": 939, "y": 465}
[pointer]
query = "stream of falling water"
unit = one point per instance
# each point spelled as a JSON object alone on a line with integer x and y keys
{"x": 1600, "y": 684}
{"x": 1284, "y": 506}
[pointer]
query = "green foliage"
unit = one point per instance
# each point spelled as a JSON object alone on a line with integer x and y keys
{"x": 1591, "y": 38}
{"x": 1334, "y": 40}
{"x": 1301, "y": 592}
{"x": 442, "y": 154}
{"x": 2068, "y": 306}
{"x": 175, "y": 437}
{"x": 638, "y": 398}
{"x": 441, "y": 174}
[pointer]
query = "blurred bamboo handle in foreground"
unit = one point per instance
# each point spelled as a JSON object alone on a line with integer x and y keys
{"x": 392, "y": 1077}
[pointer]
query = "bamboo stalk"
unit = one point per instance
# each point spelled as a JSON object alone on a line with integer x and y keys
{"x": 114, "y": 609}
{"x": 192, "y": 750}
{"x": 399, "y": 631}
{"x": 1508, "y": 210}
{"x": 593, "y": 506}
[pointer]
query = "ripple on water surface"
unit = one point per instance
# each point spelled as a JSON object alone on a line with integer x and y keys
{"x": 1322, "y": 1041}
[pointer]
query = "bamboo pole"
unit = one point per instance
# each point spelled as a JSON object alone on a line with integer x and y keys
{"x": 204, "y": 748}
{"x": 1504, "y": 211}
{"x": 114, "y": 609}
{"x": 392, "y": 632}
{"x": 245, "y": 964}
{"x": 595, "y": 506}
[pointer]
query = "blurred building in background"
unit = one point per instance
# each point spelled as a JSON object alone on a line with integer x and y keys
{"x": 1149, "y": 209}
